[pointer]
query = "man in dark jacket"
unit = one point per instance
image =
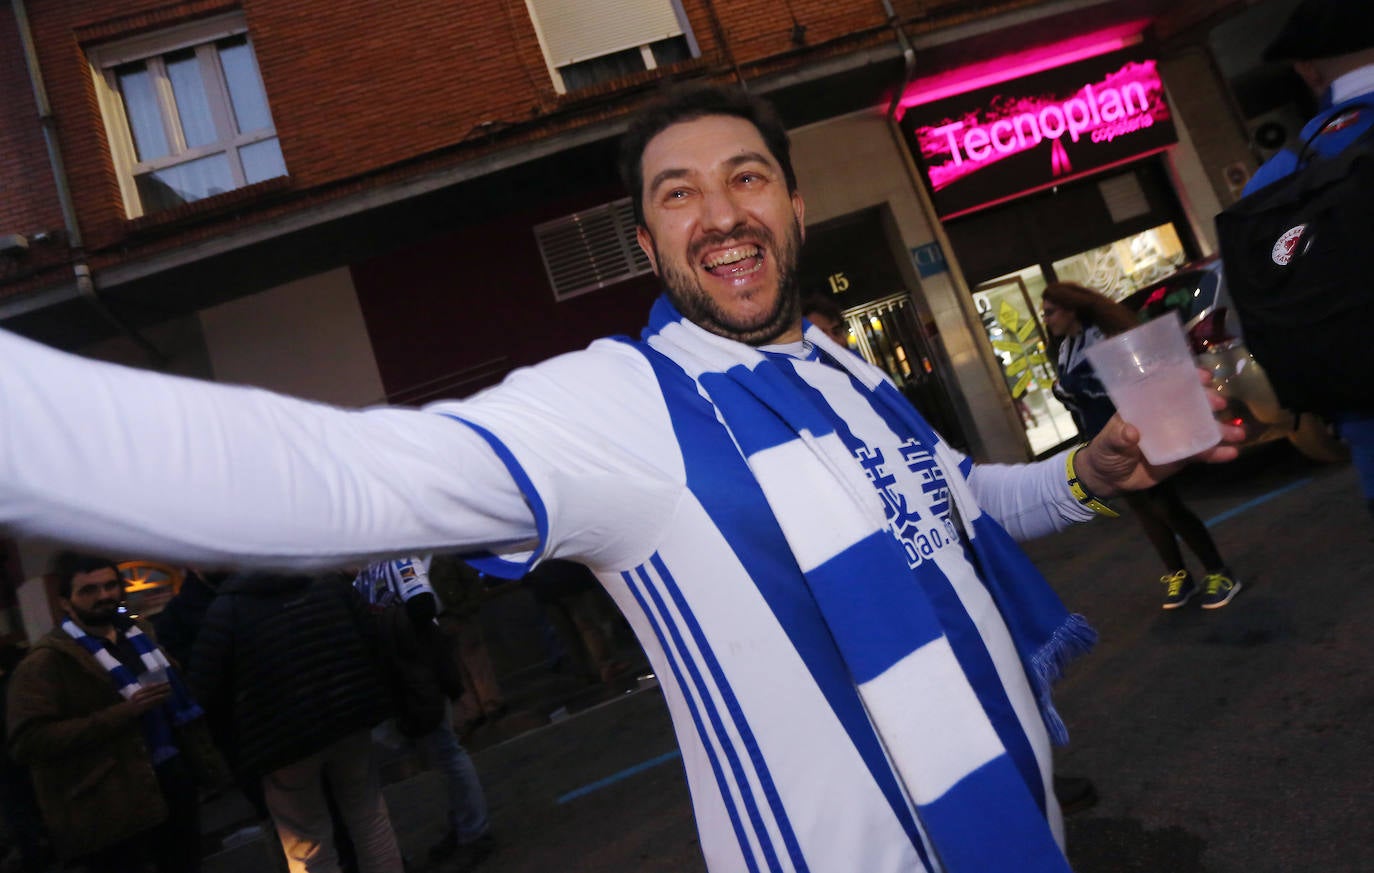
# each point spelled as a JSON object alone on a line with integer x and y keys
{"x": 109, "y": 733}
{"x": 288, "y": 660}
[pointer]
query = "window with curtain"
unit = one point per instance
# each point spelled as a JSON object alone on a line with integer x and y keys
{"x": 186, "y": 114}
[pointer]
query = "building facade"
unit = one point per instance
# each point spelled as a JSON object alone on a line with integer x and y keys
{"x": 359, "y": 202}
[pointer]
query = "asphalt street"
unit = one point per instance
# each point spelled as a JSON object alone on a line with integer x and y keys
{"x": 1220, "y": 741}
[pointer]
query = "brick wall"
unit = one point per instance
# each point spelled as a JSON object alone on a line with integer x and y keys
{"x": 487, "y": 305}
{"x": 363, "y": 93}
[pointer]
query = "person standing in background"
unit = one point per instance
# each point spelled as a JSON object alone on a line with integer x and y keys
{"x": 289, "y": 662}
{"x": 113, "y": 740}
{"x": 1076, "y": 318}
{"x": 462, "y": 591}
{"x": 419, "y": 653}
{"x": 825, "y": 314}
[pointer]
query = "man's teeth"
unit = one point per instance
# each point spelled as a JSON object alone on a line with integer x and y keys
{"x": 731, "y": 256}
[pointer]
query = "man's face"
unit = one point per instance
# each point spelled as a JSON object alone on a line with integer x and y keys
{"x": 95, "y": 597}
{"x": 836, "y": 330}
{"x": 722, "y": 230}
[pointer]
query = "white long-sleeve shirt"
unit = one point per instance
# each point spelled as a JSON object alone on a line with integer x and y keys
{"x": 109, "y": 456}
{"x": 575, "y": 458}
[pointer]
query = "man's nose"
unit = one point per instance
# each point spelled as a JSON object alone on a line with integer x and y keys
{"x": 723, "y": 211}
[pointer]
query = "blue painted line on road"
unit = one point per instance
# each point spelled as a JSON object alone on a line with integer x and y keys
{"x": 616, "y": 777}
{"x": 1251, "y": 504}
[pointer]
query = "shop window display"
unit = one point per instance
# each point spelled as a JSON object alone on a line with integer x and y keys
{"x": 1010, "y": 310}
{"x": 1126, "y": 265}
{"x": 1009, "y": 307}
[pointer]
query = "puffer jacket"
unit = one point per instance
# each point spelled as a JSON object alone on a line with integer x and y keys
{"x": 286, "y": 665}
{"x": 85, "y": 750}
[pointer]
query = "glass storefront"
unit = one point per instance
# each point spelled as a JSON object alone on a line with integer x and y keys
{"x": 1125, "y": 265}
{"x": 1009, "y": 307}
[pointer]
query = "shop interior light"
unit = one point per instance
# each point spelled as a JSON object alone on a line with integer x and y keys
{"x": 1018, "y": 64}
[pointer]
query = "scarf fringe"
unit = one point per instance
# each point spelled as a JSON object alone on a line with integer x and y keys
{"x": 1072, "y": 638}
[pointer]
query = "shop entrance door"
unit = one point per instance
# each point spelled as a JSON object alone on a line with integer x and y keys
{"x": 887, "y": 334}
{"x": 858, "y": 262}
{"x": 1009, "y": 307}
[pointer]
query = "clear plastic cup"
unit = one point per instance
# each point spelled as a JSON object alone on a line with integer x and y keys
{"x": 1150, "y": 375}
{"x": 154, "y": 676}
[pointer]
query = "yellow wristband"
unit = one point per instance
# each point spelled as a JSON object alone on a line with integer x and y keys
{"x": 1079, "y": 492}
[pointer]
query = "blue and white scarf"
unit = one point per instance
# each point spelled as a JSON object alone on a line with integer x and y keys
{"x": 982, "y": 807}
{"x": 180, "y": 707}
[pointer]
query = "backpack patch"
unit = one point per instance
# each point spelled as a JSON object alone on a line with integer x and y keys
{"x": 1286, "y": 245}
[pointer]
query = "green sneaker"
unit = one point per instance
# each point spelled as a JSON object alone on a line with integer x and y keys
{"x": 1218, "y": 589}
{"x": 1178, "y": 588}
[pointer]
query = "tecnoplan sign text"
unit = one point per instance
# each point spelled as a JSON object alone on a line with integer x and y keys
{"x": 989, "y": 145}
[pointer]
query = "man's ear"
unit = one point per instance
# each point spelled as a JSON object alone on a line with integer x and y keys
{"x": 646, "y": 245}
{"x": 799, "y": 210}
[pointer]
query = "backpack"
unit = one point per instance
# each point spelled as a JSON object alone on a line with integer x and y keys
{"x": 1296, "y": 256}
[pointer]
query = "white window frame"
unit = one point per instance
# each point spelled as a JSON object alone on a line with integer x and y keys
{"x": 202, "y": 35}
{"x": 645, "y": 49}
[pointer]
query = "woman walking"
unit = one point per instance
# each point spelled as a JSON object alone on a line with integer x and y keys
{"x": 1076, "y": 318}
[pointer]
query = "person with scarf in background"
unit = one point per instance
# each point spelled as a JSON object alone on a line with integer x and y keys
{"x": 1076, "y": 318}
{"x": 855, "y": 654}
{"x": 114, "y": 743}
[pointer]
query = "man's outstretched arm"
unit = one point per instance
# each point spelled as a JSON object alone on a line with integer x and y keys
{"x": 105, "y": 456}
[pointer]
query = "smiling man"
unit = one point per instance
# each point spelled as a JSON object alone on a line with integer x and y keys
{"x": 727, "y": 229}
{"x": 109, "y": 733}
{"x": 855, "y": 654}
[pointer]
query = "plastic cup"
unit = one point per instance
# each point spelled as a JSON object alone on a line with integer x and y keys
{"x": 1150, "y": 375}
{"x": 155, "y": 676}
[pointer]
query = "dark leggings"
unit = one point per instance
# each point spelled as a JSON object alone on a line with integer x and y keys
{"x": 1166, "y": 520}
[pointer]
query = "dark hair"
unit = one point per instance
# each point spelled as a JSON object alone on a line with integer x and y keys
{"x": 67, "y": 565}
{"x": 824, "y": 305}
{"x": 1090, "y": 308}
{"x": 688, "y": 103}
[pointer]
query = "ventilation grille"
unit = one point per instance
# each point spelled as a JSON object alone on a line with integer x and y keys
{"x": 591, "y": 249}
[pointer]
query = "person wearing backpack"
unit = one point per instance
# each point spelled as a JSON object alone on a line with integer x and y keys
{"x": 1330, "y": 44}
{"x": 1076, "y": 318}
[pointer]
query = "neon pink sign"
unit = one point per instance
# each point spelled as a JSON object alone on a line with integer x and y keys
{"x": 986, "y": 145}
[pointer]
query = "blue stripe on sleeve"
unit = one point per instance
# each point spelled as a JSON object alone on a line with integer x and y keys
{"x": 495, "y": 565}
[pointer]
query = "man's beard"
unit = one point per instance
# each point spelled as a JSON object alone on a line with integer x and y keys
{"x": 101, "y": 615}
{"x": 685, "y": 291}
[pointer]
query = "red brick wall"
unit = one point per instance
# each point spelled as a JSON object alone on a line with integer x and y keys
{"x": 364, "y": 92}
{"x": 451, "y": 303}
